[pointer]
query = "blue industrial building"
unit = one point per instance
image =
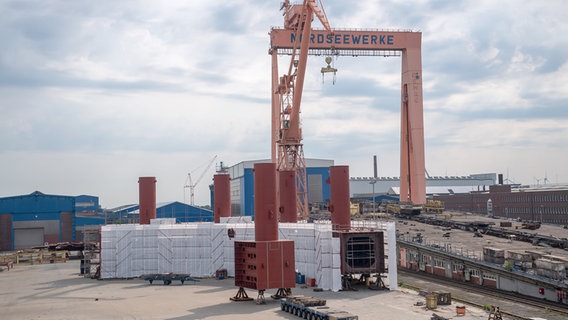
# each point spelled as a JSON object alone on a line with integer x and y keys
{"x": 242, "y": 184}
{"x": 180, "y": 211}
{"x": 367, "y": 187}
{"x": 31, "y": 220}
{"x": 86, "y": 203}
{"x": 183, "y": 212}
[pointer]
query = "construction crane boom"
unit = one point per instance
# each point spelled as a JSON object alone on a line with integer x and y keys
{"x": 320, "y": 13}
{"x": 191, "y": 185}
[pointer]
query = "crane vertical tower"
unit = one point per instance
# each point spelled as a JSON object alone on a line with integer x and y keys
{"x": 287, "y": 147}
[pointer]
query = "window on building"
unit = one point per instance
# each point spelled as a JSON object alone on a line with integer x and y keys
{"x": 474, "y": 272}
{"x": 490, "y": 276}
{"x": 439, "y": 263}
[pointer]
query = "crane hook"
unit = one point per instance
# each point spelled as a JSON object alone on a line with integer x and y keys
{"x": 328, "y": 69}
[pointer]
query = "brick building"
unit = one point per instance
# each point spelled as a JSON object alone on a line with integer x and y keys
{"x": 542, "y": 204}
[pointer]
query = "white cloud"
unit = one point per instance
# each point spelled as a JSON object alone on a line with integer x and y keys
{"x": 95, "y": 95}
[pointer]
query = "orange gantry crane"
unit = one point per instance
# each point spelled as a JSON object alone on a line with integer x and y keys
{"x": 299, "y": 40}
{"x": 287, "y": 149}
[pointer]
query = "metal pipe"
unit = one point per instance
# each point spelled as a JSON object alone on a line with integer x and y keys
{"x": 221, "y": 196}
{"x": 288, "y": 209}
{"x": 339, "y": 197}
{"x": 265, "y": 214}
{"x": 147, "y": 199}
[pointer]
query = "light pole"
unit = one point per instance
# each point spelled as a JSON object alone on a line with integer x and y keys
{"x": 373, "y": 184}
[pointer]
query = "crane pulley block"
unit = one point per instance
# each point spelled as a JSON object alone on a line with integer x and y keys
{"x": 328, "y": 69}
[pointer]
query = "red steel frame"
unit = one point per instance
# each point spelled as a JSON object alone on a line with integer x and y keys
{"x": 262, "y": 265}
{"x": 266, "y": 262}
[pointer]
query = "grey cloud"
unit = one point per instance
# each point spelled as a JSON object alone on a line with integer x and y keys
{"x": 217, "y": 43}
{"x": 24, "y": 77}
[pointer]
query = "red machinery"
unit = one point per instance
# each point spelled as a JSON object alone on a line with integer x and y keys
{"x": 266, "y": 262}
{"x": 362, "y": 250}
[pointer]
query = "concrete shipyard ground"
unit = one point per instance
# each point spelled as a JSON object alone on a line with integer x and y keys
{"x": 57, "y": 291}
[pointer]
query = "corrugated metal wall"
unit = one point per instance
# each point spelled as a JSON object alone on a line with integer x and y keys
{"x": 66, "y": 227}
{"x": 5, "y": 232}
{"x": 315, "y": 188}
{"x": 28, "y": 237}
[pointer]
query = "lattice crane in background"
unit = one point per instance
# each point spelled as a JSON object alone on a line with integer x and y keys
{"x": 287, "y": 148}
{"x": 189, "y": 183}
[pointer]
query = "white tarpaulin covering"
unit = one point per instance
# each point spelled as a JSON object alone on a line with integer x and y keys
{"x": 200, "y": 249}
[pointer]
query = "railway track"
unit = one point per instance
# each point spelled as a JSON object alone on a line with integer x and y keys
{"x": 519, "y": 307}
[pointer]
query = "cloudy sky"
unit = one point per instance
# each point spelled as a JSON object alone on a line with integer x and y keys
{"x": 94, "y": 94}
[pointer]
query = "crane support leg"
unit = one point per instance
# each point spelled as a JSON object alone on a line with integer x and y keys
{"x": 241, "y": 295}
{"x": 412, "y": 165}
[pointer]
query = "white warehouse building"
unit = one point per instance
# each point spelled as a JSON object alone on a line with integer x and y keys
{"x": 367, "y": 187}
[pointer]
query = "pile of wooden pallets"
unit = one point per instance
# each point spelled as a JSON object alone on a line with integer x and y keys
{"x": 33, "y": 257}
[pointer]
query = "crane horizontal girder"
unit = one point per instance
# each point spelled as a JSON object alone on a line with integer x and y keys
{"x": 349, "y": 39}
{"x": 345, "y": 52}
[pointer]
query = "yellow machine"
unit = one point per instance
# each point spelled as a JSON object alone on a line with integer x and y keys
{"x": 434, "y": 206}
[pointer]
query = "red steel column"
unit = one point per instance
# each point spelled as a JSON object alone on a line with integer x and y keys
{"x": 339, "y": 194}
{"x": 265, "y": 214}
{"x": 221, "y": 196}
{"x": 287, "y": 184}
{"x": 412, "y": 163}
{"x": 147, "y": 197}
{"x": 6, "y": 232}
